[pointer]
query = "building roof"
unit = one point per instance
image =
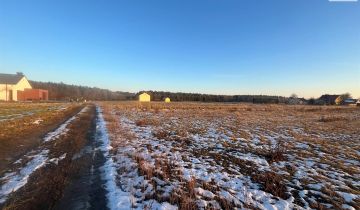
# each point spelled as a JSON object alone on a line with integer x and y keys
{"x": 329, "y": 99}
{"x": 10, "y": 79}
{"x": 350, "y": 100}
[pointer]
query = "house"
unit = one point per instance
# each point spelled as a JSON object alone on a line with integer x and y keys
{"x": 328, "y": 99}
{"x": 350, "y": 101}
{"x": 16, "y": 87}
{"x": 144, "y": 97}
{"x": 296, "y": 101}
{"x": 167, "y": 100}
{"x": 358, "y": 103}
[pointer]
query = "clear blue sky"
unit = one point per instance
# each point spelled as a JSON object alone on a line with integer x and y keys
{"x": 277, "y": 47}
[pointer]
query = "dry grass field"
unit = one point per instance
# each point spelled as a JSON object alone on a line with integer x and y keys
{"x": 126, "y": 155}
{"x": 22, "y": 126}
{"x": 36, "y": 151}
{"x": 233, "y": 156}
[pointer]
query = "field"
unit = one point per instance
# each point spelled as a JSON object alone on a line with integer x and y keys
{"x": 32, "y": 141}
{"x": 122, "y": 155}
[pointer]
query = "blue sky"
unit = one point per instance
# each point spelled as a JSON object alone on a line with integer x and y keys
{"x": 278, "y": 47}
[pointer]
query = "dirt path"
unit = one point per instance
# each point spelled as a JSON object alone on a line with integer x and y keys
{"x": 24, "y": 137}
{"x": 44, "y": 177}
{"x": 72, "y": 169}
{"x": 85, "y": 190}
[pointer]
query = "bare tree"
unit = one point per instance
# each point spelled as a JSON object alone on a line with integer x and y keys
{"x": 293, "y": 96}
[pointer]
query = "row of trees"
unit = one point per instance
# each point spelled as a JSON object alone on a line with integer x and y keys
{"x": 62, "y": 92}
{"x": 160, "y": 96}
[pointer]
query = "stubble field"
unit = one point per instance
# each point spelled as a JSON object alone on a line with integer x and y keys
{"x": 226, "y": 156}
{"x": 126, "y": 155}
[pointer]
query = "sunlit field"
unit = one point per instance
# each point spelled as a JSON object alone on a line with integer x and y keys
{"x": 22, "y": 123}
{"x": 28, "y": 149}
{"x": 123, "y": 155}
{"x": 226, "y": 156}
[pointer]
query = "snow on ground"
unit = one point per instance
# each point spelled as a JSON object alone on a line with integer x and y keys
{"x": 232, "y": 186}
{"x": 175, "y": 159}
{"x": 12, "y": 181}
{"x": 15, "y": 116}
{"x": 16, "y": 178}
{"x": 62, "y": 129}
{"x": 117, "y": 198}
{"x": 121, "y": 195}
{"x": 37, "y": 121}
{"x": 21, "y": 111}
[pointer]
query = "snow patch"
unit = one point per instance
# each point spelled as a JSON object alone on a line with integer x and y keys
{"x": 14, "y": 181}
{"x": 117, "y": 199}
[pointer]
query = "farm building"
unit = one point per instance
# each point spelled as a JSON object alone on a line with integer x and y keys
{"x": 167, "y": 100}
{"x": 350, "y": 101}
{"x": 16, "y": 87}
{"x": 328, "y": 99}
{"x": 144, "y": 97}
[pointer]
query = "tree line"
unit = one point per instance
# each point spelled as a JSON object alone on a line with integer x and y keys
{"x": 65, "y": 92}
{"x": 161, "y": 95}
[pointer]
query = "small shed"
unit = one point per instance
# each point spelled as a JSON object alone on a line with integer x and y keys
{"x": 167, "y": 100}
{"x": 144, "y": 97}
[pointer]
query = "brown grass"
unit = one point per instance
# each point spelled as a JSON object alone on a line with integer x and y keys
{"x": 304, "y": 124}
{"x": 47, "y": 184}
{"x": 21, "y": 135}
{"x": 272, "y": 183}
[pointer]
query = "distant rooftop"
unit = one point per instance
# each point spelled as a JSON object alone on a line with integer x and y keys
{"x": 11, "y": 79}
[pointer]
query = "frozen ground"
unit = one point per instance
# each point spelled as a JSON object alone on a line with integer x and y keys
{"x": 182, "y": 158}
{"x": 23, "y": 110}
{"x": 18, "y": 175}
{"x": 208, "y": 156}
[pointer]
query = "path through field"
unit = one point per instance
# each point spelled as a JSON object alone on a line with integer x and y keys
{"x": 119, "y": 157}
{"x": 70, "y": 171}
{"x": 86, "y": 191}
{"x": 95, "y": 186}
{"x": 64, "y": 172}
{"x": 23, "y": 168}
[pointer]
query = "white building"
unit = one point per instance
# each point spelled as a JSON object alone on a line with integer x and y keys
{"x": 10, "y": 84}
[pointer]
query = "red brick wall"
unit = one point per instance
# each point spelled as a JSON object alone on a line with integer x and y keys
{"x": 33, "y": 94}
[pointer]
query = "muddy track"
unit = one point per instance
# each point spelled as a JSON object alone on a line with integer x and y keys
{"x": 63, "y": 173}
{"x": 69, "y": 170}
{"x": 85, "y": 190}
{"x": 15, "y": 146}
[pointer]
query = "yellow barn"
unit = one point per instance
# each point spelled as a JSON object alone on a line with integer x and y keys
{"x": 167, "y": 100}
{"x": 144, "y": 97}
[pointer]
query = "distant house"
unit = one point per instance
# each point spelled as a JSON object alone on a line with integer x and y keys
{"x": 328, "y": 99}
{"x": 294, "y": 101}
{"x": 358, "y": 103}
{"x": 16, "y": 87}
{"x": 350, "y": 101}
{"x": 144, "y": 97}
{"x": 167, "y": 100}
